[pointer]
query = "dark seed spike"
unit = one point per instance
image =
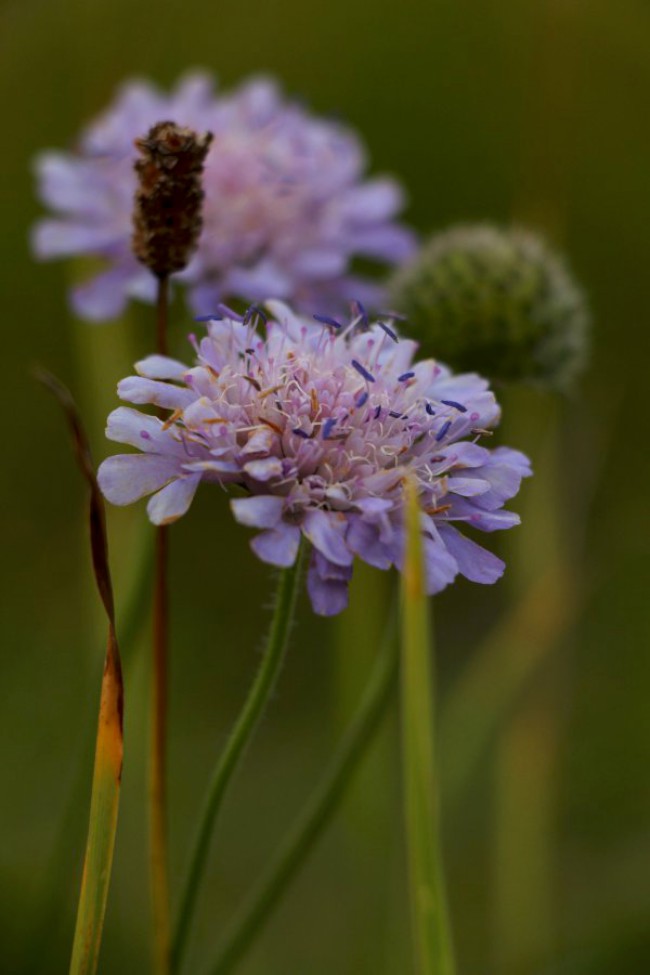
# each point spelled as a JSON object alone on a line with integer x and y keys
{"x": 168, "y": 200}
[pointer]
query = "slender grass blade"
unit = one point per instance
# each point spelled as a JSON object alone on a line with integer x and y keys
{"x": 107, "y": 772}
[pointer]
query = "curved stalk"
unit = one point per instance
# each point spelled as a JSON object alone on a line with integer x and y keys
{"x": 240, "y": 736}
{"x": 316, "y": 813}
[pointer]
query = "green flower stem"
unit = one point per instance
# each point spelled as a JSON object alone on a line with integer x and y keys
{"x": 430, "y": 924}
{"x": 241, "y": 734}
{"x": 316, "y": 813}
{"x": 469, "y": 698}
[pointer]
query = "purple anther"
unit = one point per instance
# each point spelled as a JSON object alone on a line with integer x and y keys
{"x": 442, "y": 432}
{"x": 227, "y": 312}
{"x": 457, "y": 406}
{"x": 300, "y": 433}
{"x": 254, "y": 310}
{"x": 388, "y": 331}
{"x": 357, "y": 307}
{"x": 405, "y": 375}
{"x": 362, "y": 398}
{"x": 377, "y": 412}
{"x": 326, "y": 320}
{"x": 430, "y": 410}
{"x": 328, "y": 426}
{"x": 363, "y": 371}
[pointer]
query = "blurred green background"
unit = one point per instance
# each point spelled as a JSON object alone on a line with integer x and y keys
{"x": 486, "y": 109}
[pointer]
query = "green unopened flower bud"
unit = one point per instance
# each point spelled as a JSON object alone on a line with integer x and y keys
{"x": 497, "y": 301}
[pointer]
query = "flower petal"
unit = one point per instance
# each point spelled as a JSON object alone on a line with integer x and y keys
{"x": 260, "y": 511}
{"x": 173, "y": 501}
{"x": 474, "y": 561}
{"x": 440, "y": 566}
{"x": 326, "y": 532}
{"x": 363, "y": 539}
{"x": 467, "y": 487}
{"x": 278, "y": 546}
{"x": 141, "y": 430}
{"x": 125, "y": 478}
{"x": 486, "y": 521}
{"x": 264, "y": 469}
{"x": 135, "y": 389}
{"x": 327, "y": 586}
{"x": 161, "y": 367}
{"x": 103, "y": 297}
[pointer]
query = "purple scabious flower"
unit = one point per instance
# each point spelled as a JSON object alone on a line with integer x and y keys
{"x": 286, "y": 208}
{"x": 318, "y": 423}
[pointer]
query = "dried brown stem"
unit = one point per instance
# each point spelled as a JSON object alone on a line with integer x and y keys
{"x": 158, "y": 763}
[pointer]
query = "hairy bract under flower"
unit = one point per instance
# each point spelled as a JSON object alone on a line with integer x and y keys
{"x": 286, "y": 207}
{"x": 317, "y": 422}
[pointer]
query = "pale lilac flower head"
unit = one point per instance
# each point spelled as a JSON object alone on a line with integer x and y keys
{"x": 287, "y": 207}
{"x": 317, "y": 424}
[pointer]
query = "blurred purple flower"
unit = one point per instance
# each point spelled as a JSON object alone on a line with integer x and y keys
{"x": 286, "y": 209}
{"x": 319, "y": 424}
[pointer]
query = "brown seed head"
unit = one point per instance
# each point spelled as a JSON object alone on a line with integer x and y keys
{"x": 167, "y": 211}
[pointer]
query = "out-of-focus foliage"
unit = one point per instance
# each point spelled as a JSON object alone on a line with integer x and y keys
{"x": 487, "y": 109}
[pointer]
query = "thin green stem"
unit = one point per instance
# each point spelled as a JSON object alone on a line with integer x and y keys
{"x": 430, "y": 924}
{"x": 240, "y": 736}
{"x": 315, "y": 815}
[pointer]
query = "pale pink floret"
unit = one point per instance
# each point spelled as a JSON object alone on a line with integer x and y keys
{"x": 287, "y": 204}
{"x": 317, "y": 424}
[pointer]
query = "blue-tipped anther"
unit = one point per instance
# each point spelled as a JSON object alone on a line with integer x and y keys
{"x": 377, "y": 412}
{"x": 442, "y": 432}
{"x": 300, "y": 433}
{"x": 430, "y": 410}
{"x": 405, "y": 376}
{"x": 362, "y": 398}
{"x": 253, "y": 310}
{"x": 209, "y": 318}
{"x": 328, "y": 426}
{"x": 395, "y": 414}
{"x": 388, "y": 331}
{"x": 326, "y": 320}
{"x": 358, "y": 309}
{"x": 226, "y": 312}
{"x": 363, "y": 371}
{"x": 457, "y": 406}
